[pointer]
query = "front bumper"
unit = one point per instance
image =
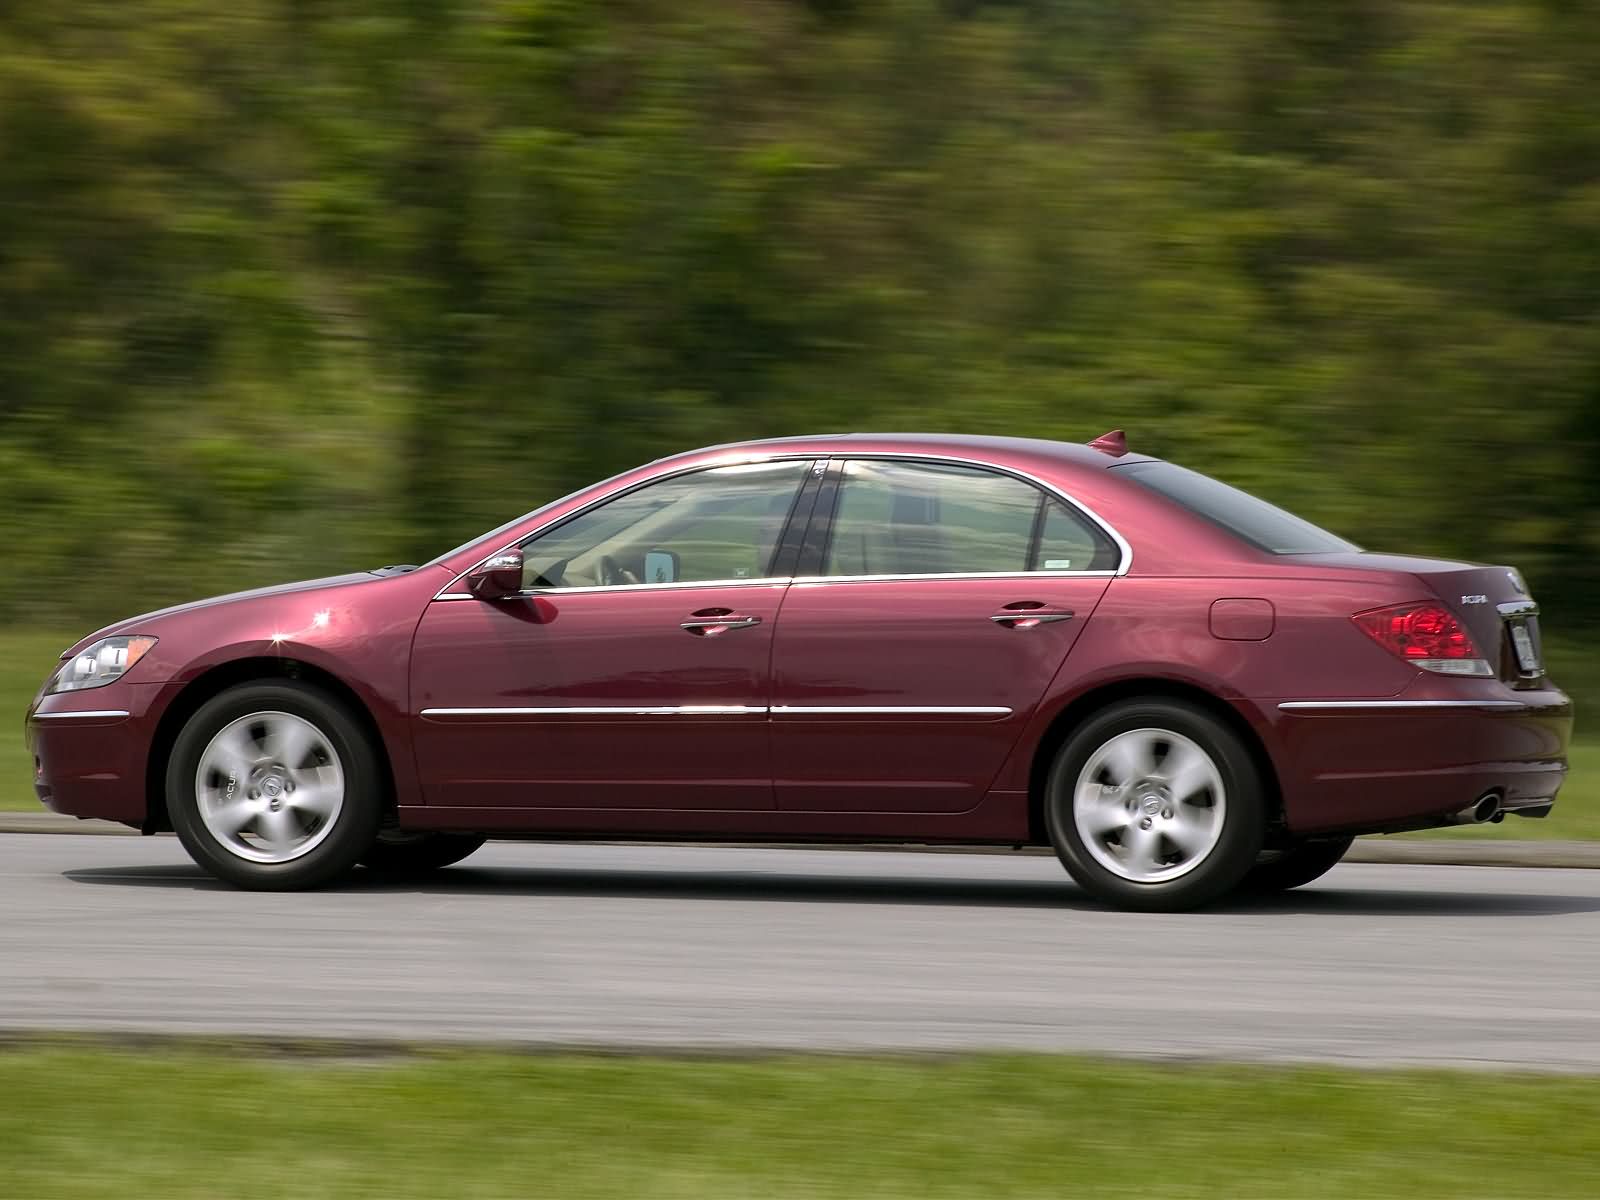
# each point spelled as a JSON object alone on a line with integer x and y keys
{"x": 90, "y": 751}
{"x": 1412, "y": 763}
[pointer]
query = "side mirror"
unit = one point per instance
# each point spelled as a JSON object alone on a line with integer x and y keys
{"x": 498, "y": 577}
{"x": 660, "y": 566}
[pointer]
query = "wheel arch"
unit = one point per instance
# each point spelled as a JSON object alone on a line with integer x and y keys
{"x": 1082, "y": 707}
{"x": 218, "y": 679}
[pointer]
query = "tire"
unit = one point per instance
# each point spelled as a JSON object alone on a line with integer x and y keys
{"x": 1155, "y": 805}
{"x": 407, "y": 855}
{"x": 1300, "y": 863}
{"x": 274, "y": 786}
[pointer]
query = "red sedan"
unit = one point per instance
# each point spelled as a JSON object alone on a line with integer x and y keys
{"x": 916, "y": 638}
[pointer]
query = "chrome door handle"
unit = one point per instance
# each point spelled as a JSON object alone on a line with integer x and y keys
{"x": 1027, "y": 614}
{"x": 711, "y": 622}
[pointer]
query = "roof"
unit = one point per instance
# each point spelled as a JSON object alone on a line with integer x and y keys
{"x": 982, "y": 445}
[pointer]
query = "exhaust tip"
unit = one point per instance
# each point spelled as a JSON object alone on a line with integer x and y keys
{"x": 1482, "y": 810}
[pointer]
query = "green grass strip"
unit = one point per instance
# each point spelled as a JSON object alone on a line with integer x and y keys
{"x": 80, "y": 1123}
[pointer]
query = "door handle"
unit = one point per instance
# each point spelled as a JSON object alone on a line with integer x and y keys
{"x": 712, "y": 622}
{"x": 1028, "y": 614}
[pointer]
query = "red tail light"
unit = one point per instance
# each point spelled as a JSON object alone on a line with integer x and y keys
{"x": 1426, "y": 635}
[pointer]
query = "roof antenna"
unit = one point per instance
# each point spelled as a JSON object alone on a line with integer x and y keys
{"x": 1114, "y": 443}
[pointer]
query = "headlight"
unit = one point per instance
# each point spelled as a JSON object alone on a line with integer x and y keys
{"x": 100, "y": 664}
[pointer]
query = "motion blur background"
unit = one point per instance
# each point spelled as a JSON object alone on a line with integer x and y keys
{"x": 291, "y": 287}
{"x": 296, "y": 286}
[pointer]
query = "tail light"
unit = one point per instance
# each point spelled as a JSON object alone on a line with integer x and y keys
{"x": 1427, "y": 636}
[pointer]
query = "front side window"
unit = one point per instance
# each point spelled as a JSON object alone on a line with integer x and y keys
{"x": 897, "y": 518}
{"x": 721, "y": 523}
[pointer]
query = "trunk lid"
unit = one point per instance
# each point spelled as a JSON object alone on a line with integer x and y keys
{"x": 1491, "y": 601}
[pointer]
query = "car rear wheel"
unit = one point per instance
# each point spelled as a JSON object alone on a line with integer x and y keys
{"x": 402, "y": 854}
{"x": 1155, "y": 804}
{"x": 1299, "y": 863}
{"x": 274, "y": 786}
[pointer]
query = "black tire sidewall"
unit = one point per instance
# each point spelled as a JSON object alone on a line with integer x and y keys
{"x": 420, "y": 853}
{"x": 1244, "y": 821}
{"x": 1299, "y": 864}
{"x": 356, "y": 825}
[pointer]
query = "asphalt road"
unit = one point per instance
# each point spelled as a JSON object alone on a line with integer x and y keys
{"x": 725, "y": 948}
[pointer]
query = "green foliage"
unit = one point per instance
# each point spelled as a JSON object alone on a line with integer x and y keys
{"x": 293, "y": 287}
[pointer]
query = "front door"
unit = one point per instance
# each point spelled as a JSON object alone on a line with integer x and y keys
{"x": 633, "y": 671}
{"x": 944, "y": 601}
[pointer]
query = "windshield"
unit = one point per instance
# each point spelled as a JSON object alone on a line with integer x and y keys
{"x": 1263, "y": 525}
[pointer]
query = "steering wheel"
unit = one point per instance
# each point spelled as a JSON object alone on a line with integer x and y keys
{"x": 612, "y": 573}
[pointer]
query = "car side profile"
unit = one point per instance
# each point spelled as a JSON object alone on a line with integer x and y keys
{"x": 900, "y": 638}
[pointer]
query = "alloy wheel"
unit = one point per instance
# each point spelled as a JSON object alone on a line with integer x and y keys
{"x": 270, "y": 787}
{"x": 1149, "y": 805}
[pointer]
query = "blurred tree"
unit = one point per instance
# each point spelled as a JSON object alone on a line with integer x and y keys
{"x": 290, "y": 286}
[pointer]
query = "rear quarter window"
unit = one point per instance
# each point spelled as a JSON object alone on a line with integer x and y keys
{"x": 1265, "y": 526}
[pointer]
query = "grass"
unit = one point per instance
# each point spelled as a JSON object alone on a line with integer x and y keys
{"x": 26, "y": 657}
{"x": 80, "y": 1124}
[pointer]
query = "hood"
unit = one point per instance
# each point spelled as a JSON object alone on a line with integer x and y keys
{"x": 133, "y": 624}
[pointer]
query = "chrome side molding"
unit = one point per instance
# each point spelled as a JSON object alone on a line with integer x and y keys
{"x": 607, "y": 710}
{"x": 722, "y": 710}
{"x": 101, "y": 713}
{"x": 1343, "y": 705}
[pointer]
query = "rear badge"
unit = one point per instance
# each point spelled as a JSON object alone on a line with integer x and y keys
{"x": 1474, "y": 599}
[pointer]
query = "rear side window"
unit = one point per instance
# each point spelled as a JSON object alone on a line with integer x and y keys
{"x": 897, "y": 518}
{"x": 1067, "y": 542}
{"x": 1263, "y": 525}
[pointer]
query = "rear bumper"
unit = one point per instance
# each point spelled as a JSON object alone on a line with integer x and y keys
{"x": 1409, "y": 763}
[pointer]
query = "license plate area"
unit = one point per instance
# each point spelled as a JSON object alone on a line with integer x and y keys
{"x": 1525, "y": 648}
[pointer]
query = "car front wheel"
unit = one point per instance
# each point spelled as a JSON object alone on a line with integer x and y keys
{"x": 274, "y": 786}
{"x": 1155, "y": 804}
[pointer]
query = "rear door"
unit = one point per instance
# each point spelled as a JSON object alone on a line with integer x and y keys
{"x": 934, "y": 604}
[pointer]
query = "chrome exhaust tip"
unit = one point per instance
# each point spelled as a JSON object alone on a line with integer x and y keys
{"x": 1482, "y": 810}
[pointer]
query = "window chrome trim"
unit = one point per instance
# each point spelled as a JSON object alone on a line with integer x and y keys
{"x": 812, "y": 579}
{"x": 1343, "y": 705}
{"x": 684, "y": 585}
{"x": 103, "y": 713}
{"x": 448, "y": 592}
{"x": 969, "y": 710}
{"x": 613, "y": 710}
{"x": 770, "y": 581}
{"x": 778, "y": 580}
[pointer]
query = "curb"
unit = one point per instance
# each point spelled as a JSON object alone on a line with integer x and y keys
{"x": 1439, "y": 852}
{"x": 1461, "y": 852}
{"x": 49, "y": 822}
